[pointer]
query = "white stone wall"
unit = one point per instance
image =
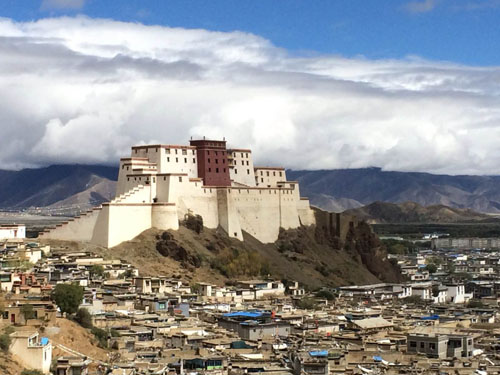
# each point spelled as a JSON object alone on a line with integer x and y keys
{"x": 241, "y": 168}
{"x": 269, "y": 177}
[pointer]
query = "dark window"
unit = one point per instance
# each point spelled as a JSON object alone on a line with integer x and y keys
{"x": 210, "y": 169}
{"x": 180, "y": 179}
{"x": 274, "y": 173}
{"x": 176, "y": 151}
{"x": 185, "y": 160}
{"x": 168, "y": 159}
{"x": 242, "y": 162}
{"x": 176, "y": 160}
{"x": 267, "y": 173}
{"x": 248, "y": 171}
{"x": 235, "y": 171}
{"x": 208, "y": 160}
{"x": 216, "y": 161}
{"x": 216, "y": 170}
{"x": 167, "y": 151}
{"x": 194, "y": 160}
{"x": 413, "y": 344}
{"x": 184, "y": 152}
{"x": 224, "y": 170}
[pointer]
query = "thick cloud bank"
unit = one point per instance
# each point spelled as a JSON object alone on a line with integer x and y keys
{"x": 85, "y": 90}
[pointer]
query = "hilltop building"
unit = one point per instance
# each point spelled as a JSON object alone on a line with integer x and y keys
{"x": 158, "y": 185}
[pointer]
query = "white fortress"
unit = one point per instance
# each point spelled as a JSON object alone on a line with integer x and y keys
{"x": 158, "y": 185}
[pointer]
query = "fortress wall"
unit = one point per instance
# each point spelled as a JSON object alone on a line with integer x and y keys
{"x": 79, "y": 229}
{"x": 227, "y": 214}
{"x": 261, "y": 214}
{"x": 164, "y": 216}
{"x": 126, "y": 221}
{"x": 100, "y": 231}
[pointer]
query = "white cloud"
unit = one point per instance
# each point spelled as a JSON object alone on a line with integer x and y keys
{"x": 84, "y": 90}
{"x": 421, "y": 6}
{"x": 62, "y": 4}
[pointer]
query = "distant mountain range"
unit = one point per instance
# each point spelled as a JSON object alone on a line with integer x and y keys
{"x": 411, "y": 212}
{"x": 71, "y": 188}
{"x": 342, "y": 189}
{"x": 58, "y": 189}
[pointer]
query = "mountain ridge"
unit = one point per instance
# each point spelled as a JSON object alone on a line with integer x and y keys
{"x": 84, "y": 186}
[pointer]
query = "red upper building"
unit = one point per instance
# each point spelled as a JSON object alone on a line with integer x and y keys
{"x": 213, "y": 165}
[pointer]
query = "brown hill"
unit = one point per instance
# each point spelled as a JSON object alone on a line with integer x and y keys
{"x": 411, "y": 212}
{"x": 339, "y": 250}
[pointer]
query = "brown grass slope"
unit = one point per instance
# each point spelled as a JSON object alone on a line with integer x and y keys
{"x": 411, "y": 212}
{"x": 314, "y": 256}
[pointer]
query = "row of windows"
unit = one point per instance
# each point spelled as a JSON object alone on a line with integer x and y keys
{"x": 243, "y": 155}
{"x": 217, "y": 161}
{"x": 177, "y": 160}
{"x": 274, "y": 173}
{"x": 217, "y": 152}
{"x": 184, "y": 151}
{"x": 236, "y": 171}
{"x": 167, "y": 151}
{"x": 217, "y": 170}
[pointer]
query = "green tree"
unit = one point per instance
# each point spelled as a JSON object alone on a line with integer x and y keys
{"x": 84, "y": 318}
{"x": 28, "y": 312}
{"x": 431, "y": 267}
{"x": 68, "y": 297}
{"x": 97, "y": 271}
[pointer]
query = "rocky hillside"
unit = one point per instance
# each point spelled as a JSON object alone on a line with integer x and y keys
{"x": 359, "y": 187}
{"x": 411, "y": 212}
{"x": 325, "y": 254}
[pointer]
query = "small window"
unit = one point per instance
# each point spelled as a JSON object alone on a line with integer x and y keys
{"x": 180, "y": 178}
{"x": 210, "y": 169}
{"x": 216, "y": 161}
{"x": 422, "y": 345}
{"x": 242, "y": 162}
{"x": 247, "y": 163}
{"x": 274, "y": 174}
{"x": 168, "y": 159}
{"x": 216, "y": 153}
{"x": 413, "y": 344}
{"x": 281, "y": 174}
{"x": 194, "y": 160}
{"x": 185, "y": 160}
{"x": 235, "y": 171}
{"x": 154, "y": 179}
{"x": 216, "y": 170}
{"x": 176, "y": 159}
{"x": 224, "y": 170}
{"x": 261, "y": 180}
{"x": 267, "y": 173}
{"x": 208, "y": 160}
{"x": 128, "y": 178}
{"x": 167, "y": 151}
{"x": 242, "y": 154}
{"x": 184, "y": 151}
{"x": 246, "y": 154}
{"x": 248, "y": 171}
{"x": 176, "y": 151}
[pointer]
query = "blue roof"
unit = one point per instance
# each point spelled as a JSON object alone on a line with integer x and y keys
{"x": 244, "y": 314}
{"x": 319, "y": 353}
{"x": 377, "y": 358}
{"x": 431, "y": 317}
{"x": 44, "y": 341}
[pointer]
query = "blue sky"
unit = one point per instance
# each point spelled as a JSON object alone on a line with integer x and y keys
{"x": 463, "y": 31}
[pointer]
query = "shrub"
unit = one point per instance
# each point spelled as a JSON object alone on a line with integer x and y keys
{"x": 68, "y": 297}
{"x": 97, "y": 271}
{"x": 4, "y": 342}
{"x": 101, "y": 335}
{"x": 83, "y": 318}
{"x": 475, "y": 303}
{"x": 194, "y": 222}
{"x": 306, "y": 303}
{"x": 27, "y": 311}
{"x": 31, "y": 372}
